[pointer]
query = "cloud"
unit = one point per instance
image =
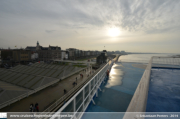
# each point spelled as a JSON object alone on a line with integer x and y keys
{"x": 49, "y": 31}
{"x": 131, "y": 15}
{"x": 77, "y": 17}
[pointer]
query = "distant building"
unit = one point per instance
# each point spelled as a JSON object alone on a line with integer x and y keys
{"x": 0, "y": 57}
{"x": 117, "y": 52}
{"x": 88, "y": 53}
{"x": 91, "y": 53}
{"x": 7, "y": 57}
{"x": 96, "y": 52}
{"x": 123, "y": 53}
{"x": 81, "y": 53}
{"x": 64, "y": 55}
{"x": 46, "y": 53}
{"x": 31, "y": 48}
{"x": 72, "y": 53}
{"x": 7, "y": 54}
{"x": 76, "y": 53}
{"x": 12, "y": 56}
{"x": 85, "y": 53}
{"x": 21, "y": 55}
{"x": 102, "y": 58}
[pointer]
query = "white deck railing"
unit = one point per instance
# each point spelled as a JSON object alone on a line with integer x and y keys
{"x": 80, "y": 101}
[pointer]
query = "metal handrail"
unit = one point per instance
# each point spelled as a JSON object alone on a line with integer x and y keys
{"x": 105, "y": 67}
{"x": 102, "y": 74}
{"x": 50, "y": 108}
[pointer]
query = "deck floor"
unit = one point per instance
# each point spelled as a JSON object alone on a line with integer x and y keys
{"x": 117, "y": 91}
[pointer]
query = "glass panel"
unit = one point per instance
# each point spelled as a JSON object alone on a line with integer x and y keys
{"x": 79, "y": 99}
{"x": 89, "y": 86}
{"x": 95, "y": 80}
{"x": 69, "y": 108}
{"x": 78, "y": 112}
{"x": 92, "y": 92}
{"x": 86, "y": 102}
{"x": 92, "y": 85}
{"x": 86, "y": 91}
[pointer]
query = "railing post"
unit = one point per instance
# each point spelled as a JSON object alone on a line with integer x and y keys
{"x": 97, "y": 92}
{"x": 99, "y": 76}
{"x": 94, "y": 81}
{"x": 83, "y": 99}
{"x": 89, "y": 91}
{"x": 74, "y": 105}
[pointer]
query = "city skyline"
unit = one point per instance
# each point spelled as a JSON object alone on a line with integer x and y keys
{"x": 132, "y": 26}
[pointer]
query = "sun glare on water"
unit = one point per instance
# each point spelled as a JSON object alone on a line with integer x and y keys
{"x": 113, "y": 32}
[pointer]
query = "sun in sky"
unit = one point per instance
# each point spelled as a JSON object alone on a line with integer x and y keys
{"x": 113, "y": 32}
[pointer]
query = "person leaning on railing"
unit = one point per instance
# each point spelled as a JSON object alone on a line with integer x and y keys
{"x": 107, "y": 73}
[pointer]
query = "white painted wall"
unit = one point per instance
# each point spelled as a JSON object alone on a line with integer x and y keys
{"x": 63, "y": 55}
{"x": 34, "y": 56}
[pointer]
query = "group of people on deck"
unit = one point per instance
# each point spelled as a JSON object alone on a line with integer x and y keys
{"x": 81, "y": 75}
{"x": 34, "y": 108}
{"x": 75, "y": 82}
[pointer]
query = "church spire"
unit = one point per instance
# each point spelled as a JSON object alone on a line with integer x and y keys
{"x": 37, "y": 43}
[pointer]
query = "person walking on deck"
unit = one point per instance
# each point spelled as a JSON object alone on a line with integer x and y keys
{"x": 107, "y": 73}
{"x": 34, "y": 108}
{"x": 74, "y": 84}
{"x": 31, "y": 107}
{"x": 64, "y": 91}
{"x": 37, "y": 107}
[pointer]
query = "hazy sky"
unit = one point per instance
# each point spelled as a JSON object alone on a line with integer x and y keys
{"x": 140, "y": 25}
